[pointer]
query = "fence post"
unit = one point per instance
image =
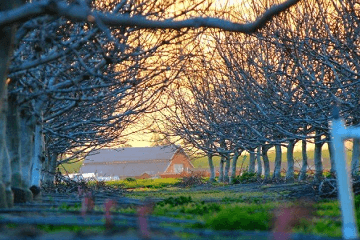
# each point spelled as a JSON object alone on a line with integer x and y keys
{"x": 345, "y": 193}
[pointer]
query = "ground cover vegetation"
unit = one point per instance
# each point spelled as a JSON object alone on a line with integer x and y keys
{"x": 200, "y": 211}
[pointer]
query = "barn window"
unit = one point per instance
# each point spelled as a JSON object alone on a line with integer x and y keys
{"x": 178, "y": 168}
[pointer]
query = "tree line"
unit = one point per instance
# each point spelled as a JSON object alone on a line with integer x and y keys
{"x": 75, "y": 74}
{"x": 272, "y": 88}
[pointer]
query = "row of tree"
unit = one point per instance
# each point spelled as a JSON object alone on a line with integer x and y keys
{"x": 75, "y": 74}
{"x": 272, "y": 88}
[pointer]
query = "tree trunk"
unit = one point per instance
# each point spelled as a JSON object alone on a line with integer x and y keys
{"x": 252, "y": 161}
{"x": 290, "y": 161}
{"x": 221, "y": 169}
{"x": 13, "y": 140}
{"x": 50, "y": 169}
{"x": 233, "y": 165}
{"x": 304, "y": 166}
{"x": 27, "y": 126}
{"x": 227, "y": 168}
{"x": 6, "y": 47}
{"x": 264, "y": 153}
{"x": 355, "y": 157}
{"x": 332, "y": 158}
{"x": 212, "y": 169}
{"x": 37, "y": 157}
{"x": 317, "y": 159}
{"x": 258, "y": 159}
{"x": 277, "y": 168}
{"x": 6, "y": 167}
{"x": 6, "y": 176}
{"x": 3, "y": 202}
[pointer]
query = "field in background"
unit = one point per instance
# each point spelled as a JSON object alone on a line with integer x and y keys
{"x": 243, "y": 161}
{"x": 73, "y": 167}
{"x": 202, "y": 162}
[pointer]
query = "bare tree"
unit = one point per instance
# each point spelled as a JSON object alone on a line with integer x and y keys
{"x": 12, "y": 13}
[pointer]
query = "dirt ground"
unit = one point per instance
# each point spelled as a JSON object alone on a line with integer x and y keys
{"x": 54, "y": 209}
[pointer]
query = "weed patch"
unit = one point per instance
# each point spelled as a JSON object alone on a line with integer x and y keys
{"x": 175, "y": 201}
{"x": 235, "y": 218}
{"x": 144, "y": 183}
{"x": 245, "y": 177}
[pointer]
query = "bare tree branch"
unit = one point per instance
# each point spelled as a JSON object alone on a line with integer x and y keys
{"x": 78, "y": 13}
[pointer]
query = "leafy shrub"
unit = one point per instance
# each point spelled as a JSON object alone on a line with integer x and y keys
{"x": 130, "y": 179}
{"x": 201, "y": 208}
{"x": 175, "y": 201}
{"x": 245, "y": 177}
{"x": 239, "y": 218}
{"x": 144, "y": 183}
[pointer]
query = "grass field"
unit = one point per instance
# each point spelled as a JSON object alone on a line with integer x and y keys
{"x": 72, "y": 167}
{"x": 189, "y": 209}
{"x": 225, "y": 207}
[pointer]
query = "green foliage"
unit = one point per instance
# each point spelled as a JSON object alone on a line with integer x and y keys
{"x": 201, "y": 208}
{"x": 144, "y": 183}
{"x": 71, "y": 167}
{"x": 245, "y": 177}
{"x": 71, "y": 228}
{"x": 175, "y": 201}
{"x": 130, "y": 179}
{"x": 234, "y": 218}
{"x": 64, "y": 206}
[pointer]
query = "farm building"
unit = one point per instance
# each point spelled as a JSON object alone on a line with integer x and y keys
{"x": 138, "y": 162}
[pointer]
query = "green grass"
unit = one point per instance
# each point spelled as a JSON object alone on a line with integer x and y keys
{"x": 224, "y": 209}
{"x": 145, "y": 183}
{"x": 71, "y": 167}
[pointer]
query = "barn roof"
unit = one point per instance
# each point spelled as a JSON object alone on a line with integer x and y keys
{"x": 129, "y": 161}
{"x": 128, "y": 169}
{"x": 132, "y": 154}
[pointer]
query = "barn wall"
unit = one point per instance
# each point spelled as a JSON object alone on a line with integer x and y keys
{"x": 179, "y": 158}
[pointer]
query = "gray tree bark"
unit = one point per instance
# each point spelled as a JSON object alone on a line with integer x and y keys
{"x": 27, "y": 127}
{"x": 37, "y": 156}
{"x": 278, "y": 157}
{"x": 332, "y": 158}
{"x": 355, "y": 157}
{"x": 252, "y": 161}
{"x": 221, "y": 169}
{"x": 211, "y": 166}
{"x": 6, "y": 167}
{"x": 304, "y": 165}
{"x": 7, "y": 34}
{"x": 233, "y": 165}
{"x": 264, "y": 153}
{"x": 227, "y": 168}
{"x": 258, "y": 159}
{"x": 13, "y": 140}
{"x": 290, "y": 161}
{"x": 6, "y": 42}
{"x": 3, "y": 202}
{"x": 317, "y": 159}
{"x": 50, "y": 169}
